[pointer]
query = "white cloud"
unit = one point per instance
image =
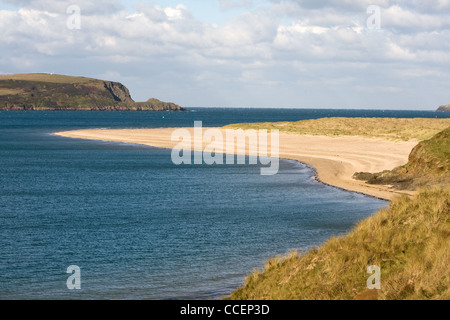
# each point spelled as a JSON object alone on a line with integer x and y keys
{"x": 413, "y": 21}
{"x": 277, "y": 48}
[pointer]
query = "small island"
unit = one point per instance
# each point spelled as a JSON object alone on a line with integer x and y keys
{"x": 40, "y": 91}
{"x": 444, "y": 108}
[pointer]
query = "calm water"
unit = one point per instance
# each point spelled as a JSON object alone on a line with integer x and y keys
{"x": 140, "y": 227}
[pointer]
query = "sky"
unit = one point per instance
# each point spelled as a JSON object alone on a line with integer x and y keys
{"x": 365, "y": 54}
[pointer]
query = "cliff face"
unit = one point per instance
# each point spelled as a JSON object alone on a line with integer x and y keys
{"x": 56, "y": 92}
{"x": 444, "y": 108}
{"x": 119, "y": 92}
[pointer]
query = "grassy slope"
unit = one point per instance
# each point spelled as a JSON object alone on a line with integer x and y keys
{"x": 429, "y": 164}
{"x": 49, "y": 91}
{"x": 409, "y": 241}
{"x": 55, "y": 95}
{"x": 388, "y": 128}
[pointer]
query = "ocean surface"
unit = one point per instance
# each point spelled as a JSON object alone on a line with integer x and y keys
{"x": 140, "y": 227}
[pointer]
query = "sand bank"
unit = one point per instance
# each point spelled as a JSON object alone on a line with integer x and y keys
{"x": 336, "y": 159}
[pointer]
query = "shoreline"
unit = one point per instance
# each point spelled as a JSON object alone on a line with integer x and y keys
{"x": 334, "y": 159}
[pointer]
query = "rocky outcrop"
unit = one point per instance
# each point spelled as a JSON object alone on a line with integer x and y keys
{"x": 156, "y": 104}
{"x": 119, "y": 92}
{"x": 444, "y": 108}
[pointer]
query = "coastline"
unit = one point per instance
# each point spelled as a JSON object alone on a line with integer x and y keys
{"x": 335, "y": 159}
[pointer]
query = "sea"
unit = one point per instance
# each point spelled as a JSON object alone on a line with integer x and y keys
{"x": 136, "y": 226}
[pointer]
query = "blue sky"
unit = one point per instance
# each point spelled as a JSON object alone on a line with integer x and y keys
{"x": 242, "y": 53}
{"x": 204, "y": 10}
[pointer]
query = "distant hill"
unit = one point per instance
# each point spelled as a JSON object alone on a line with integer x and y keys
{"x": 60, "y": 92}
{"x": 444, "y": 108}
{"x": 429, "y": 164}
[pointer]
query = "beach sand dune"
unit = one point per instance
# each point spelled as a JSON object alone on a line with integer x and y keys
{"x": 335, "y": 158}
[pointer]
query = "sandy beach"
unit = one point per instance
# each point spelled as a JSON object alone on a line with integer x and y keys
{"x": 336, "y": 159}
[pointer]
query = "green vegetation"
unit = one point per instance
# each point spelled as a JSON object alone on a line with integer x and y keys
{"x": 409, "y": 241}
{"x": 59, "y": 92}
{"x": 154, "y": 104}
{"x": 429, "y": 164}
{"x": 45, "y": 77}
{"x": 386, "y": 128}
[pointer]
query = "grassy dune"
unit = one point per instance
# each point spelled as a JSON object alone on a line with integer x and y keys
{"x": 387, "y": 128}
{"x": 409, "y": 241}
{"x": 429, "y": 164}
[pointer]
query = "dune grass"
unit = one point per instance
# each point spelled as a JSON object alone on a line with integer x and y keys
{"x": 409, "y": 241}
{"x": 438, "y": 146}
{"x": 428, "y": 164}
{"x": 387, "y": 128}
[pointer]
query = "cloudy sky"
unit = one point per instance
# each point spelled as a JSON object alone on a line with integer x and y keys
{"x": 381, "y": 54}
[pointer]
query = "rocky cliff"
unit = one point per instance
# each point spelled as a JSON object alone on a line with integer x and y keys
{"x": 58, "y": 92}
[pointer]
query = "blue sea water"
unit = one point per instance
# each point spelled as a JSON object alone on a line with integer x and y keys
{"x": 140, "y": 227}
